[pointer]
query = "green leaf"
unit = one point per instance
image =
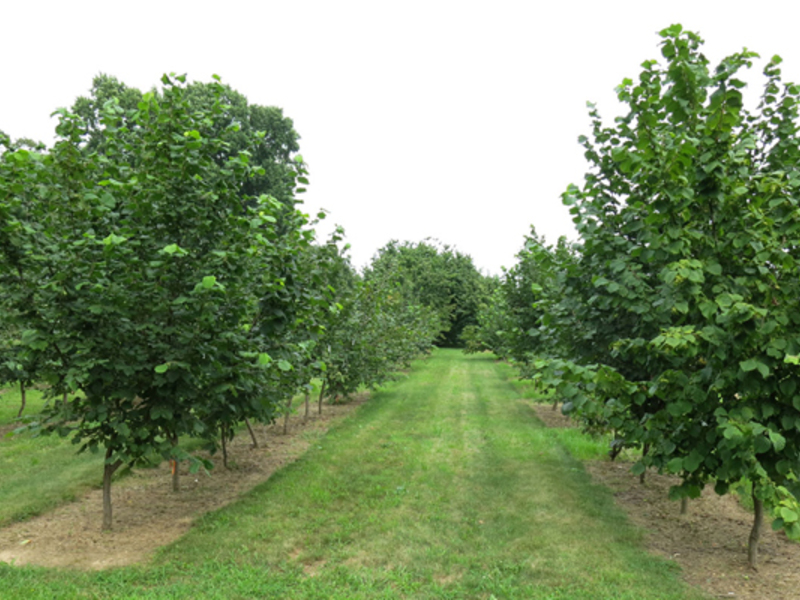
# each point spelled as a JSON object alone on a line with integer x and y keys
{"x": 752, "y": 364}
{"x": 264, "y": 359}
{"x": 114, "y": 240}
{"x": 209, "y": 281}
{"x": 788, "y": 515}
{"x": 162, "y": 368}
{"x": 675, "y": 465}
{"x": 692, "y": 462}
{"x": 778, "y": 441}
{"x": 284, "y": 365}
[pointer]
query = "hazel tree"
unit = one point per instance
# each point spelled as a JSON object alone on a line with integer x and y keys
{"x": 684, "y": 300}
{"x": 136, "y": 272}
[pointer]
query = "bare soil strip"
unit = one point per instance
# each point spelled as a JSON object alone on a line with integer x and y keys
{"x": 147, "y": 513}
{"x": 709, "y": 543}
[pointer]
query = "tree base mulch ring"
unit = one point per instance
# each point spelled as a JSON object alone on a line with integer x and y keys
{"x": 552, "y": 417}
{"x": 710, "y": 541}
{"x": 147, "y": 513}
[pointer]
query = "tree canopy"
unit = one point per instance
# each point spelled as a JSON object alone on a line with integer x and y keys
{"x": 675, "y": 322}
{"x": 440, "y": 278}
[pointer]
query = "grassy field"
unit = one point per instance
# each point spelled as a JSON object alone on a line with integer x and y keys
{"x": 444, "y": 485}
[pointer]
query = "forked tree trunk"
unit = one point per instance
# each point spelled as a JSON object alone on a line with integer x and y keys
{"x": 755, "y": 532}
{"x": 645, "y": 450}
{"x": 308, "y": 409}
{"x": 286, "y": 416}
{"x": 108, "y": 472}
{"x": 252, "y": 433}
{"x": 321, "y": 396}
{"x": 22, "y": 399}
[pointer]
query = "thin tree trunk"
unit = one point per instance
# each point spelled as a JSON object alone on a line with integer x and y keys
{"x": 755, "y": 532}
{"x": 22, "y": 398}
{"x": 65, "y": 399}
{"x": 555, "y": 404}
{"x": 645, "y": 450}
{"x": 252, "y": 433}
{"x": 108, "y": 472}
{"x": 223, "y": 435}
{"x": 176, "y": 476}
{"x": 308, "y": 409}
{"x": 321, "y": 396}
{"x": 684, "y": 505}
{"x": 286, "y": 416}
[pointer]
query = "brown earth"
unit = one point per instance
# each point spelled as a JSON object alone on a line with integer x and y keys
{"x": 147, "y": 513}
{"x": 709, "y": 543}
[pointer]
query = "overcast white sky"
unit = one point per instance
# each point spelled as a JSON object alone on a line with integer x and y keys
{"x": 456, "y": 120}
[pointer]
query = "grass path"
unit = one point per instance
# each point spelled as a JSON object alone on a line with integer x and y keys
{"x": 444, "y": 485}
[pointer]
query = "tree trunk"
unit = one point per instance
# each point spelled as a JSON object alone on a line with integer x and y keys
{"x": 555, "y": 404}
{"x": 108, "y": 472}
{"x": 645, "y": 450}
{"x": 614, "y": 452}
{"x": 755, "y": 532}
{"x": 286, "y": 416}
{"x": 684, "y": 505}
{"x": 321, "y": 396}
{"x": 252, "y": 433}
{"x": 176, "y": 476}
{"x": 223, "y": 435}
{"x": 65, "y": 399}
{"x": 22, "y": 398}
{"x": 308, "y": 398}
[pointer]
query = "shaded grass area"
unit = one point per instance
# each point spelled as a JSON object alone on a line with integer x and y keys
{"x": 444, "y": 485}
{"x": 38, "y": 473}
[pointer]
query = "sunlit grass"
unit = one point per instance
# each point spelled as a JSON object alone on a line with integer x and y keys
{"x": 10, "y": 402}
{"x": 444, "y": 485}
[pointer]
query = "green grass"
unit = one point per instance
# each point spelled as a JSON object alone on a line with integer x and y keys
{"x": 444, "y": 485}
{"x": 38, "y": 473}
{"x": 10, "y": 402}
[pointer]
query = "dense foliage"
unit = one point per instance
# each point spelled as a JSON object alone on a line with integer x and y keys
{"x": 676, "y": 323}
{"x": 440, "y": 278}
{"x": 157, "y": 273}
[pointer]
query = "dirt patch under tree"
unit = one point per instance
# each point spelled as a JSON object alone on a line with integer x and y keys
{"x": 147, "y": 513}
{"x": 709, "y": 542}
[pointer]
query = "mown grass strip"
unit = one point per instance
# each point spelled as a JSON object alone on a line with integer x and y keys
{"x": 38, "y": 473}
{"x": 444, "y": 485}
